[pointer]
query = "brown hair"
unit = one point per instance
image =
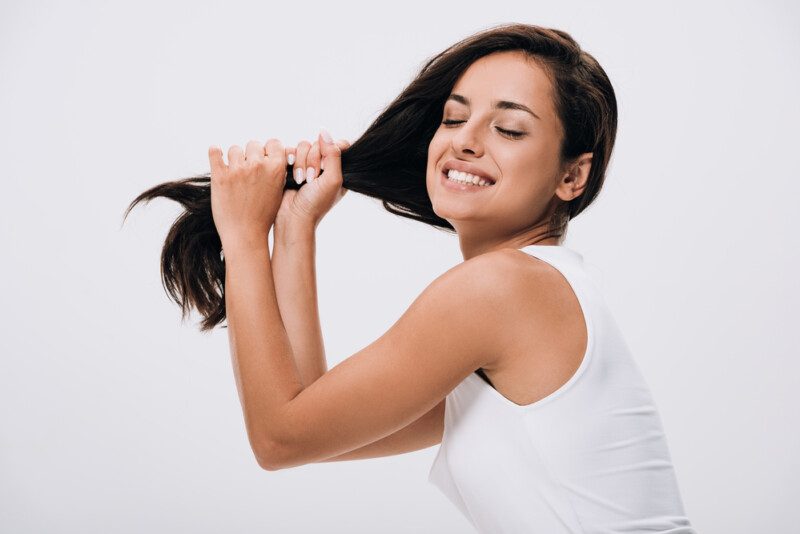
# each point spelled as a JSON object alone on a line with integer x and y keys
{"x": 389, "y": 160}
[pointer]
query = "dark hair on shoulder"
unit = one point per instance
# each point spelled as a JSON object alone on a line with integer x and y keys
{"x": 389, "y": 160}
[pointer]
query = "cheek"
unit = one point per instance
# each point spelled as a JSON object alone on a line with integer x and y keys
{"x": 437, "y": 145}
{"x": 436, "y": 151}
{"x": 527, "y": 177}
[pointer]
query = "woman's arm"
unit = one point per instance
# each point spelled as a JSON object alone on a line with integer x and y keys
{"x": 459, "y": 323}
{"x": 299, "y": 315}
{"x": 294, "y": 273}
{"x": 293, "y": 261}
{"x": 425, "y": 432}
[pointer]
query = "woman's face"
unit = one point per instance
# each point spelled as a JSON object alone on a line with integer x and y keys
{"x": 518, "y": 150}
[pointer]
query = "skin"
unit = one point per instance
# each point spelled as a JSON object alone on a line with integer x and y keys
{"x": 530, "y": 179}
{"x": 388, "y": 398}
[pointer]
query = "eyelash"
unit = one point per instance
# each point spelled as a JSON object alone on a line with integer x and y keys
{"x": 510, "y": 133}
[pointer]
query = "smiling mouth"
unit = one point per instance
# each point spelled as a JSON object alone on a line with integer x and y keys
{"x": 466, "y": 179}
{"x": 460, "y": 188}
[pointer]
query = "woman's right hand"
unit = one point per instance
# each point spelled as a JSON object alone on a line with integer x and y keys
{"x": 303, "y": 208}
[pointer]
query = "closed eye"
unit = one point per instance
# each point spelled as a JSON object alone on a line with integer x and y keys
{"x": 509, "y": 133}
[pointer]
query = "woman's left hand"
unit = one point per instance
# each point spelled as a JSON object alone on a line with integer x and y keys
{"x": 246, "y": 193}
{"x": 304, "y": 208}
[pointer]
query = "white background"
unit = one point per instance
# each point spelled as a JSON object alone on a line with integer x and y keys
{"x": 115, "y": 417}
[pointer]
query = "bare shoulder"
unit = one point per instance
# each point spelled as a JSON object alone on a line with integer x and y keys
{"x": 499, "y": 295}
{"x": 504, "y": 276}
{"x": 499, "y": 270}
{"x": 544, "y": 337}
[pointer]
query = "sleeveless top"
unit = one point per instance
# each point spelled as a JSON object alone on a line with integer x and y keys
{"x": 589, "y": 458}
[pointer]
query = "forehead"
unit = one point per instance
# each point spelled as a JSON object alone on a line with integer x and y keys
{"x": 508, "y": 75}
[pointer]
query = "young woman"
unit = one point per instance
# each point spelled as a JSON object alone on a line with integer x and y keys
{"x": 511, "y": 359}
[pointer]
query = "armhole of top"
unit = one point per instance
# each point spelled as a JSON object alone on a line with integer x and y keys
{"x": 480, "y": 372}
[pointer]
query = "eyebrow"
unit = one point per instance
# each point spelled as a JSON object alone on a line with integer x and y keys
{"x": 499, "y": 104}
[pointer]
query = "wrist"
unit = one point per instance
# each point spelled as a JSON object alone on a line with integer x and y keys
{"x": 243, "y": 243}
{"x": 296, "y": 230}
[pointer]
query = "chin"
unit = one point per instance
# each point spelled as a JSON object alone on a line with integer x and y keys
{"x": 454, "y": 211}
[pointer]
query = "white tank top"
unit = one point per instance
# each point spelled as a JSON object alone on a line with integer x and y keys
{"x": 589, "y": 458}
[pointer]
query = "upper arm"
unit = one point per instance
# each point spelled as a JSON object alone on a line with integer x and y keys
{"x": 454, "y": 327}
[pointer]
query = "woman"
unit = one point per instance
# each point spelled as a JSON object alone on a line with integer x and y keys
{"x": 511, "y": 359}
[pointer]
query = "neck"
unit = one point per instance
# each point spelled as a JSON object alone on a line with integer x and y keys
{"x": 474, "y": 244}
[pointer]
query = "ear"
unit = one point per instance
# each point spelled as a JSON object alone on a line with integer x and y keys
{"x": 574, "y": 177}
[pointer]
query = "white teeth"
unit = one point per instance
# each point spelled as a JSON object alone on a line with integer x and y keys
{"x": 467, "y": 178}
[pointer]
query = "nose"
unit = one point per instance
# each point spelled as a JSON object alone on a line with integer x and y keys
{"x": 466, "y": 140}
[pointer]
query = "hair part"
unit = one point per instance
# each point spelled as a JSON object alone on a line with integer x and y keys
{"x": 388, "y": 161}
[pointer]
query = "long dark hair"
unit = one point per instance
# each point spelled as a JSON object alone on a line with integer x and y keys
{"x": 389, "y": 160}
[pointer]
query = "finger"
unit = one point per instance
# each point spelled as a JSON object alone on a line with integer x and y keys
{"x": 331, "y": 154}
{"x": 235, "y": 155}
{"x": 290, "y": 155}
{"x": 215, "y": 158}
{"x": 300, "y": 162}
{"x": 276, "y": 152}
{"x": 312, "y": 162}
{"x": 343, "y": 144}
{"x": 254, "y": 150}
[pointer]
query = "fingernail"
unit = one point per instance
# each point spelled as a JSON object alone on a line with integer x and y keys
{"x": 290, "y": 159}
{"x": 311, "y": 172}
{"x": 325, "y": 135}
{"x": 298, "y": 175}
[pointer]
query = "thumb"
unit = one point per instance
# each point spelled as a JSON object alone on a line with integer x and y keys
{"x": 331, "y": 155}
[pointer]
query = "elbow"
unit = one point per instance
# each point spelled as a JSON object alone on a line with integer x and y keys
{"x": 270, "y": 457}
{"x": 266, "y": 459}
{"x": 266, "y": 466}
{"x": 274, "y": 450}
{"x": 263, "y": 460}
{"x": 265, "y": 445}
